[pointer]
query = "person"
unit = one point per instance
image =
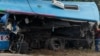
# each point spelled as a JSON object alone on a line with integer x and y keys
{"x": 12, "y": 26}
{"x": 97, "y": 34}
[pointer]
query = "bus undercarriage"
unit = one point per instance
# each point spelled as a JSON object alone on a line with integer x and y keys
{"x": 36, "y": 32}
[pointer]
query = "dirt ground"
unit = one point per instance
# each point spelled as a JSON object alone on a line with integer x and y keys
{"x": 56, "y": 53}
{"x": 66, "y": 53}
{"x": 10, "y": 54}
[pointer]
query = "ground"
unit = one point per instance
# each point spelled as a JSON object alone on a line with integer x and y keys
{"x": 67, "y": 53}
{"x": 56, "y": 53}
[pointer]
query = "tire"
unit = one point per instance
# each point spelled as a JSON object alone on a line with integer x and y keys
{"x": 87, "y": 43}
{"x": 56, "y": 44}
{"x": 89, "y": 39}
{"x": 22, "y": 48}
